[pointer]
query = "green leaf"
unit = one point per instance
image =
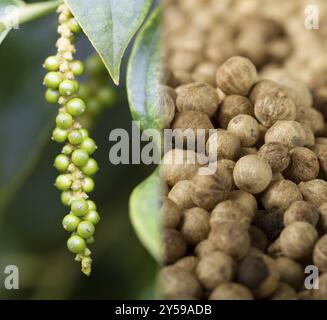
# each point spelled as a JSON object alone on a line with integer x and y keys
{"x": 145, "y": 214}
{"x": 143, "y": 74}
{"x": 16, "y": 12}
{"x": 110, "y": 26}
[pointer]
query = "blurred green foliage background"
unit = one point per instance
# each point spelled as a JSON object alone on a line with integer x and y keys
{"x": 31, "y": 235}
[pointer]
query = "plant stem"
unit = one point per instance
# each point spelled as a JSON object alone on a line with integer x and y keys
{"x": 28, "y": 12}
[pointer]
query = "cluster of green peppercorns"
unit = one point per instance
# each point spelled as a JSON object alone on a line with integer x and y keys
{"x": 74, "y": 163}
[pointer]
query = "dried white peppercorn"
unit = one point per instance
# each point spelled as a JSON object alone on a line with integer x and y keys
{"x": 276, "y": 154}
{"x": 203, "y": 248}
{"x": 195, "y": 225}
{"x": 208, "y": 190}
{"x": 205, "y": 72}
{"x": 170, "y": 213}
{"x": 298, "y": 239}
{"x": 230, "y": 211}
{"x": 214, "y": 269}
{"x": 223, "y": 145}
{"x": 232, "y": 106}
{"x": 320, "y": 254}
{"x": 246, "y": 128}
{"x": 197, "y": 96}
{"x": 176, "y": 283}
{"x": 313, "y": 119}
{"x": 304, "y": 165}
{"x": 174, "y": 245}
{"x": 280, "y": 195}
{"x": 259, "y": 274}
{"x": 290, "y": 272}
{"x": 260, "y": 89}
{"x": 177, "y": 165}
{"x": 244, "y": 198}
{"x": 231, "y": 238}
{"x": 236, "y": 76}
{"x": 271, "y": 223}
{"x": 259, "y": 239}
{"x": 187, "y": 123}
{"x": 287, "y": 132}
{"x": 274, "y": 105}
{"x": 314, "y": 191}
{"x": 284, "y": 292}
{"x": 181, "y": 194}
{"x": 309, "y": 136}
{"x": 275, "y": 250}
{"x": 166, "y": 105}
{"x": 187, "y": 263}
{"x": 321, "y": 152}
{"x": 301, "y": 211}
{"x": 252, "y": 174}
{"x": 231, "y": 291}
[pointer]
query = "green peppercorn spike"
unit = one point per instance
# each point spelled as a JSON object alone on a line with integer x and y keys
{"x": 74, "y": 162}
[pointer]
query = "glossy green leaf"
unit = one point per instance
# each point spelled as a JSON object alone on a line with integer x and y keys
{"x": 143, "y": 74}
{"x": 16, "y": 12}
{"x": 110, "y": 26}
{"x": 145, "y": 214}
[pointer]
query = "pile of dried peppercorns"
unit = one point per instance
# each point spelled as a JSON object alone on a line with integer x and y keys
{"x": 249, "y": 229}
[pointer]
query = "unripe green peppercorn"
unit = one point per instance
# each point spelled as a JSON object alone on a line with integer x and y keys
{"x": 88, "y": 145}
{"x": 75, "y": 137}
{"x": 66, "y": 198}
{"x": 76, "y": 244}
{"x": 52, "y": 63}
{"x": 67, "y": 88}
{"x": 52, "y": 80}
{"x": 80, "y": 158}
{"x": 70, "y": 222}
{"x": 77, "y": 68}
{"x": 51, "y": 96}
{"x": 93, "y": 216}
{"x": 74, "y": 26}
{"x": 64, "y": 120}
{"x": 90, "y": 240}
{"x": 63, "y": 182}
{"x": 76, "y": 107}
{"x": 90, "y": 168}
{"x": 59, "y": 135}
{"x": 88, "y": 185}
{"x": 84, "y": 91}
{"x": 84, "y": 133}
{"x": 92, "y": 205}
{"x": 77, "y": 85}
{"x": 95, "y": 66}
{"x": 106, "y": 96}
{"x": 93, "y": 107}
{"x": 67, "y": 150}
{"x": 61, "y": 162}
{"x": 85, "y": 229}
{"x": 79, "y": 208}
